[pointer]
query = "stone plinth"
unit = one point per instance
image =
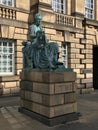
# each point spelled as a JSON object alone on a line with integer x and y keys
{"x": 49, "y": 96}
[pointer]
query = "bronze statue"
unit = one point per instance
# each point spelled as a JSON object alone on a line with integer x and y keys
{"x": 38, "y": 53}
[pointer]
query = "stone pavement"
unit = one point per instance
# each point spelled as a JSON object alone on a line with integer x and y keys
{"x": 11, "y": 119}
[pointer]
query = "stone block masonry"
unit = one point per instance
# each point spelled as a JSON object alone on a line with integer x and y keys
{"x": 9, "y": 85}
{"x": 49, "y": 96}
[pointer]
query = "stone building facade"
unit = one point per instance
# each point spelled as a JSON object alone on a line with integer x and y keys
{"x": 14, "y": 15}
{"x": 73, "y": 24}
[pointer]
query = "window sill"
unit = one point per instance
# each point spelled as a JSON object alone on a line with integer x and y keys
{"x": 14, "y": 8}
{"x": 9, "y": 78}
{"x": 91, "y": 22}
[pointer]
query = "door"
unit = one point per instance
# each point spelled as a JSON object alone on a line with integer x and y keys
{"x": 95, "y": 67}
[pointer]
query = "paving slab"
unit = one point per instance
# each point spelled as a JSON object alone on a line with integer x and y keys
{"x": 11, "y": 119}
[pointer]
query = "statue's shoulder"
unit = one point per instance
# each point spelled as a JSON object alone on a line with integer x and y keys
{"x": 32, "y": 26}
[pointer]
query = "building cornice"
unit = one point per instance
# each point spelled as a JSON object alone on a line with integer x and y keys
{"x": 14, "y": 23}
{"x": 87, "y": 21}
{"x": 77, "y": 14}
{"x": 45, "y": 5}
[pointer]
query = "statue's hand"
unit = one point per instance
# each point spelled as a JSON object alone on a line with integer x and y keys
{"x": 40, "y": 33}
{"x": 25, "y": 43}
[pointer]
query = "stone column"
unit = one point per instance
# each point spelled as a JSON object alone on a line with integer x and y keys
{"x": 78, "y": 10}
{"x": 78, "y": 7}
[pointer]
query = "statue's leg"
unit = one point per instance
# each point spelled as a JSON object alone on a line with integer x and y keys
{"x": 23, "y": 61}
{"x": 54, "y": 51}
{"x": 31, "y": 57}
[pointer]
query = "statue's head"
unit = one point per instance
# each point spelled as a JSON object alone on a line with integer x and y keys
{"x": 38, "y": 19}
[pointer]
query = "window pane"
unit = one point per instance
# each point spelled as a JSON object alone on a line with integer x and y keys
{"x": 10, "y": 2}
{"x": 6, "y": 57}
{"x": 64, "y": 53}
{"x": 4, "y": 2}
{"x": 4, "y": 49}
{"x": 58, "y": 6}
{"x": 10, "y": 44}
{"x": 7, "y": 2}
{"x": 0, "y": 49}
{"x": 89, "y": 9}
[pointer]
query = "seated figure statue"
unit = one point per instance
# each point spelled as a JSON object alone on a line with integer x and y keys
{"x": 38, "y": 53}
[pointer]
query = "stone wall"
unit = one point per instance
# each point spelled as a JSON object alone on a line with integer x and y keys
{"x": 80, "y": 55}
{"x": 80, "y": 39}
{"x": 14, "y": 26}
{"x": 79, "y": 35}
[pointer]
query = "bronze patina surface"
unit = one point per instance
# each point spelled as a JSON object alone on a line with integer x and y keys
{"x": 38, "y": 53}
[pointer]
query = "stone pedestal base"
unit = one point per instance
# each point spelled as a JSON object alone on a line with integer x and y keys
{"x": 50, "y": 121}
{"x": 49, "y": 97}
